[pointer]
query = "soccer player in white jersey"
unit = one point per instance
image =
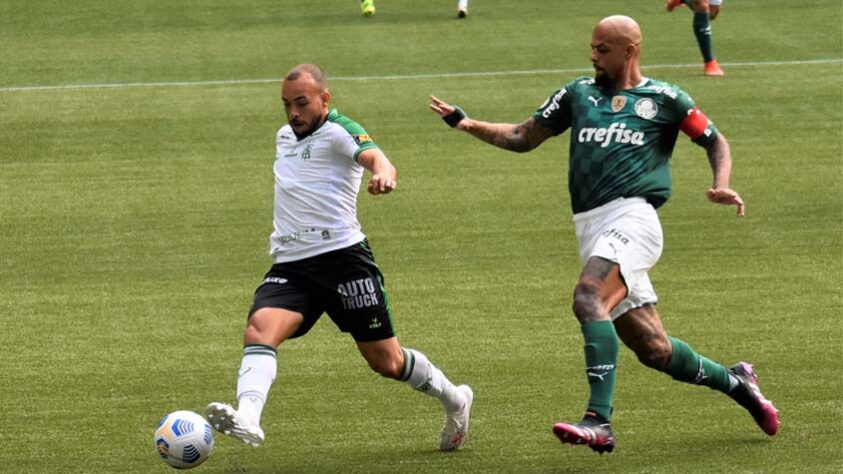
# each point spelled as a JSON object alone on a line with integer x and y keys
{"x": 323, "y": 264}
{"x": 368, "y": 8}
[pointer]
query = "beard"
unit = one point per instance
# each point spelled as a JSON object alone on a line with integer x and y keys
{"x": 602, "y": 80}
{"x": 311, "y": 127}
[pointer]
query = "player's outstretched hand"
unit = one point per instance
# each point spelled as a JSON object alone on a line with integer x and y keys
{"x": 381, "y": 185}
{"x": 728, "y": 197}
{"x": 439, "y": 106}
{"x": 451, "y": 114}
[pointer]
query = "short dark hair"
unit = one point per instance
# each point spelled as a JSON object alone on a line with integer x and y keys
{"x": 312, "y": 70}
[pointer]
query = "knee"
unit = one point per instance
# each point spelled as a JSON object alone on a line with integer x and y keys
{"x": 260, "y": 328}
{"x": 713, "y": 11}
{"x": 586, "y": 301}
{"x": 700, "y": 6}
{"x": 388, "y": 367}
{"x": 653, "y": 352}
{"x": 253, "y": 334}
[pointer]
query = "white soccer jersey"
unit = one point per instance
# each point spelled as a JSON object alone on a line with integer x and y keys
{"x": 316, "y": 185}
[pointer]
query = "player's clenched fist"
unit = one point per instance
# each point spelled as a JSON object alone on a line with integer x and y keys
{"x": 381, "y": 185}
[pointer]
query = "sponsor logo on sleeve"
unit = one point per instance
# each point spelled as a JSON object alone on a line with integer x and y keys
{"x": 668, "y": 91}
{"x": 361, "y": 139}
{"x": 553, "y": 104}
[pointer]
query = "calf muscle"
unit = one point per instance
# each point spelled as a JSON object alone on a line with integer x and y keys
{"x": 641, "y": 330}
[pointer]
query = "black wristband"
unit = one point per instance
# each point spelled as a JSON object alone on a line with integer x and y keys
{"x": 455, "y": 117}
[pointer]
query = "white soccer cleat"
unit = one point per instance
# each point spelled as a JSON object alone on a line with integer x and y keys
{"x": 455, "y": 429}
{"x": 225, "y": 419}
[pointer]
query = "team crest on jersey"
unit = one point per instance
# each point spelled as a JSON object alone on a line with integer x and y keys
{"x": 618, "y": 102}
{"x": 646, "y": 108}
{"x": 361, "y": 139}
{"x": 305, "y": 155}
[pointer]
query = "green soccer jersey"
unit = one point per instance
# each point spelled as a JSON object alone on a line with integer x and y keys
{"x": 621, "y": 141}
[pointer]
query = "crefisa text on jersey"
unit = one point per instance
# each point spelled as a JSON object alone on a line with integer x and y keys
{"x": 604, "y": 136}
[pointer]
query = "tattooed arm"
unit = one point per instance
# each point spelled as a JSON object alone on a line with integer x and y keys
{"x": 720, "y": 159}
{"x": 514, "y": 137}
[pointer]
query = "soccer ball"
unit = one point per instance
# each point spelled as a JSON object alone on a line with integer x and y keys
{"x": 184, "y": 439}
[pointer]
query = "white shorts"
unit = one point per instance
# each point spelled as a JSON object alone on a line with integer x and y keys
{"x": 715, "y": 2}
{"x": 626, "y": 231}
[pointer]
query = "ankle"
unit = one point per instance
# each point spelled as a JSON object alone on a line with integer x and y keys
{"x": 594, "y": 416}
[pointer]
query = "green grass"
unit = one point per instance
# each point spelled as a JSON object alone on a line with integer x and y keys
{"x": 133, "y": 227}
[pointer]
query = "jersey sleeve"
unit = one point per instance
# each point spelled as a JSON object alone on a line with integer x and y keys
{"x": 691, "y": 120}
{"x": 555, "y": 113}
{"x": 354, "y": 141}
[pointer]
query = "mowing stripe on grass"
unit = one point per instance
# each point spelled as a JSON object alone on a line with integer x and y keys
{"x": 400, "y": 77}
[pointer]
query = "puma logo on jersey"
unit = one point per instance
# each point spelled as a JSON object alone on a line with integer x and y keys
{"x": 595, "y": 100}
{"x": 617, "y": 133}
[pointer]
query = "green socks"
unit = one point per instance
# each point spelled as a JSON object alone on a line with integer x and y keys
{"x": 702, "y": 30}
{"x": 601, "y": 358}
{"x": 685, "y": 365}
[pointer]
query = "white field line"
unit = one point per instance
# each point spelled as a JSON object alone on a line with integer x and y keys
{"x": 403, "y": 77}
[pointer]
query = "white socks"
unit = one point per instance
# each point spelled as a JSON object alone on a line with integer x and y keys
{"x": 257, "y": 372}
{"x": 462, "y": 5}
{"x": 259, "y": 368}
{"x": 425, "y": 377}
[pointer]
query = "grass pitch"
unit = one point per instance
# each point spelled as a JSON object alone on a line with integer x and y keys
{"x": 134, "y": 219}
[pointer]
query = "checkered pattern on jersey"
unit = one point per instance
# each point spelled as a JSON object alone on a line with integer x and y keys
{"x": 621, "y": 149}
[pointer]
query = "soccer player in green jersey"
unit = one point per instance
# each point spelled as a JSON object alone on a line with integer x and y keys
{"x": 623, "y": 130}
{"x": 705, "y": 11}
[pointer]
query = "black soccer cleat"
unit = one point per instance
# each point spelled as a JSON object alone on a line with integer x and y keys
{"x": 749, "y": 396}
{"x": 591, "y": 431}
